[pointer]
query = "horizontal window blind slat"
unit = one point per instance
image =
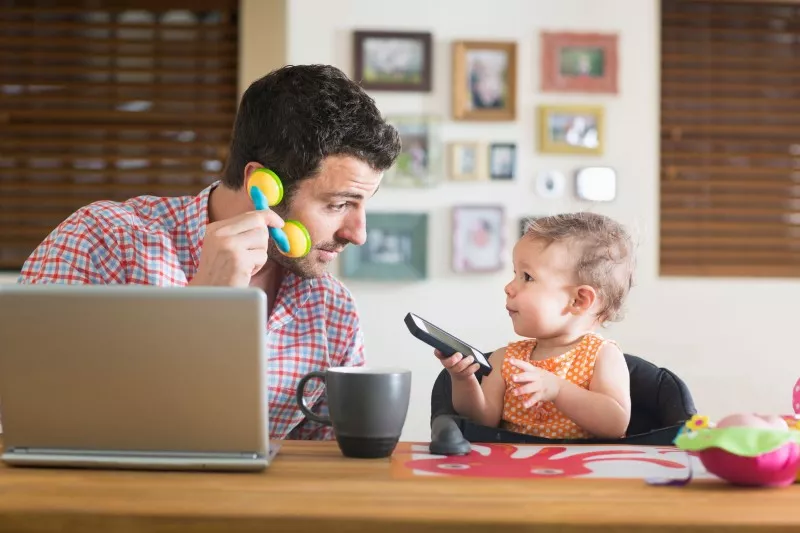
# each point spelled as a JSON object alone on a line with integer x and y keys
{"x": 100, "y": 188}
{"x": 706, "y": 269}
{"x": 731, "y": 171}
{"x": 713, "y": 243}
{"x": 116, "y": 118}
{"x": 42, "y": 73}
{"x": 730, "y": 200}
{"x": 103, "y": 45}
{"x": 133, "y": 30}
{"x": 61, "y": 56}
{"x": 722, "y": 186}
{"x": 700, "y": 210}
{"x": 39, "y": 8}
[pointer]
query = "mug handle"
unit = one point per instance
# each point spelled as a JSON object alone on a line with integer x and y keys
{"x": 301, "y": 402}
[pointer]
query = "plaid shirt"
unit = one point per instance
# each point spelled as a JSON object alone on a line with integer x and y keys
{"x": 157, "y": 241}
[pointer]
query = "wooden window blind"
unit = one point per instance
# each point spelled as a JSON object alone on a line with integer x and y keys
{"x": 109, "y": 99}
{"x": 730, "y": 138}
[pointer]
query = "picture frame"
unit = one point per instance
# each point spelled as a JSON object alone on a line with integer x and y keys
{"x": 478, "y": 238}
{"x": 571, "y": 129}
{"x": 502, "y": 161}
{"x": 579, "y": 62}
{"x": 419, "y": 162}
{"x": 467, "y": 161}
{"x": 484, "y": 80}
{"x": 524, "y": 222}
{"x": 396, "y": 249}
{"x": 393, "y": 60}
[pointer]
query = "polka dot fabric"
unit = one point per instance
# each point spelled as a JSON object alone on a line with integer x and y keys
{"x": 543, "y": 419}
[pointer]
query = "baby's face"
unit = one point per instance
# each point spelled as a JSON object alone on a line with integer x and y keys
{"x": 539, "y": 297}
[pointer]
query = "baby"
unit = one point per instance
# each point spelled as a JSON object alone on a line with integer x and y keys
{"x": 572, "y": 273}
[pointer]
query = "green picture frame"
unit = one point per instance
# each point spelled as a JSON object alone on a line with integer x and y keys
{"x": 396, "y": 249}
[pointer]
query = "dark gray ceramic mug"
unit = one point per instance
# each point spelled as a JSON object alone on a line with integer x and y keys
{"x": 367, "y": 406}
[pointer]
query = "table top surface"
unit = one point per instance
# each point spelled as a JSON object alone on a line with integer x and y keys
{"x": 310, "y": 484}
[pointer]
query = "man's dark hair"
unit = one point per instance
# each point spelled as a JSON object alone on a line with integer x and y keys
{"x": 295, "y": 116}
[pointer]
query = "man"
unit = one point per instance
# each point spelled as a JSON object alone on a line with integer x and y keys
{"x": 323, "y": 135}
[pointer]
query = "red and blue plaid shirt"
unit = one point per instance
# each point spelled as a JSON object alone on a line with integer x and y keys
{"x": 157, "y": 241}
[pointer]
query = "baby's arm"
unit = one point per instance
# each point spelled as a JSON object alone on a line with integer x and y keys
{"x": 605, "y": 409}
{"x": 481, "y": 402}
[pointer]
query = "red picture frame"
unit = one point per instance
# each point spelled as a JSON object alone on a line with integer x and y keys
{"x": 579, "y": 62}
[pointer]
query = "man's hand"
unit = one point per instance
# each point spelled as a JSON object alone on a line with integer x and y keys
{"x": 541, "y": 385}
{"x": 235, "y": 249}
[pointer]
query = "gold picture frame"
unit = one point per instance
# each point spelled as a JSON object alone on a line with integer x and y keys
{"x": 467, "y": 161}
{"x": 571, "y": 129}
{"x": 484, "y": 80}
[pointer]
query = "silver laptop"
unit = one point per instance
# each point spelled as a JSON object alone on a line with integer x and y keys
{"x": 134, "y": 377}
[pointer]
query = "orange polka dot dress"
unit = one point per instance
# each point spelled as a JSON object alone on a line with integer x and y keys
{"x": 543, "y": 419}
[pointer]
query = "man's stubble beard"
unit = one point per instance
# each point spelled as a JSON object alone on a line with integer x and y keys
{"x": 304, "y": 267}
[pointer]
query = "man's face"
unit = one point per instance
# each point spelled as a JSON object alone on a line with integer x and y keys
{"x": 332, "y": 207}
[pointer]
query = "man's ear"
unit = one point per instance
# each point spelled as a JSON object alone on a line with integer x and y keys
{"x": 248, "y": 169}
{"x": 583, "y": 298}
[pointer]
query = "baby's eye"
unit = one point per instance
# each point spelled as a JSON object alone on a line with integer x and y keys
{"x": 527, "y": 277}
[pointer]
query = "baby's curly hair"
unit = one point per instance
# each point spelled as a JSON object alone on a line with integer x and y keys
{"x": 606, "y": 259}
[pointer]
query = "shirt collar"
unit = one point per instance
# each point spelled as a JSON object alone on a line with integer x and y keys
{"x": 196, "y": 220}
{"x": 292, "y": 300}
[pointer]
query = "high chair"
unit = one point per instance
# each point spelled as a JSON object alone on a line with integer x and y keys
{"x": 660, "y": 404}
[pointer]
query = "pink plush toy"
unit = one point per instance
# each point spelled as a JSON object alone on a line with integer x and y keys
{"x": 796, "y": 397}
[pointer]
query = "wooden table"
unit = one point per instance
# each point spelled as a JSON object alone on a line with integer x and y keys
{"x": 311, "y": 487}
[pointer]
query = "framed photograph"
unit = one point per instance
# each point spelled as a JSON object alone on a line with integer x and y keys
{"x": 571, "y": 129}
{"x": 502, "y": 160}
{"x": 467, "y": 161}
{"x": 392, "y": 61}
{"x": 484, "y": 80}
{"x": 396, "y": 249}
{"x": 579, "y": 62}
{"x": 419, "y": 162}
{"x": 478, "y": 238}
{"x": 524, "y": 222}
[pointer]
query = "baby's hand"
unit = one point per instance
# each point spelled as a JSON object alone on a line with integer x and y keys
{"x": 543, "y": 386}
{"x": 457, "y": 365}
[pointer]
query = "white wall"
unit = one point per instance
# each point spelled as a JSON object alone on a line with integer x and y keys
{"x": 729, "y": 339}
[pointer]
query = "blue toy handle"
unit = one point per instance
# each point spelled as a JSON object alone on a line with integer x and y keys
{"x": 277, "y": 234}
{"x": 280, "y": 239}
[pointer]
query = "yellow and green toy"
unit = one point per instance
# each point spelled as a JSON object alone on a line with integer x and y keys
{"x": 266, "y": 190}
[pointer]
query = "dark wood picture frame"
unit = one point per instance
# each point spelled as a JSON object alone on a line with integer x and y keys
{"x": 552, "y": 78}
{"x": 359, "y": 61}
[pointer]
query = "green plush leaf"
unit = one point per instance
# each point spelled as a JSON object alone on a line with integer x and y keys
{"x": 744, "y": 441}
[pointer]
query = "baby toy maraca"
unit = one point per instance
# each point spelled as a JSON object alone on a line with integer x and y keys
{"x": 746, "y": 448}
{"x": 266, "y": 190}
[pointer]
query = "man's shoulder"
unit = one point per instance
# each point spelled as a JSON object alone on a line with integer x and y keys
{"x": 146, "y": 213}
{"x": 335, "y": 289}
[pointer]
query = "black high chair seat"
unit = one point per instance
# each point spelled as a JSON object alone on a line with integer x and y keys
{"x": 660, "y": 404}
